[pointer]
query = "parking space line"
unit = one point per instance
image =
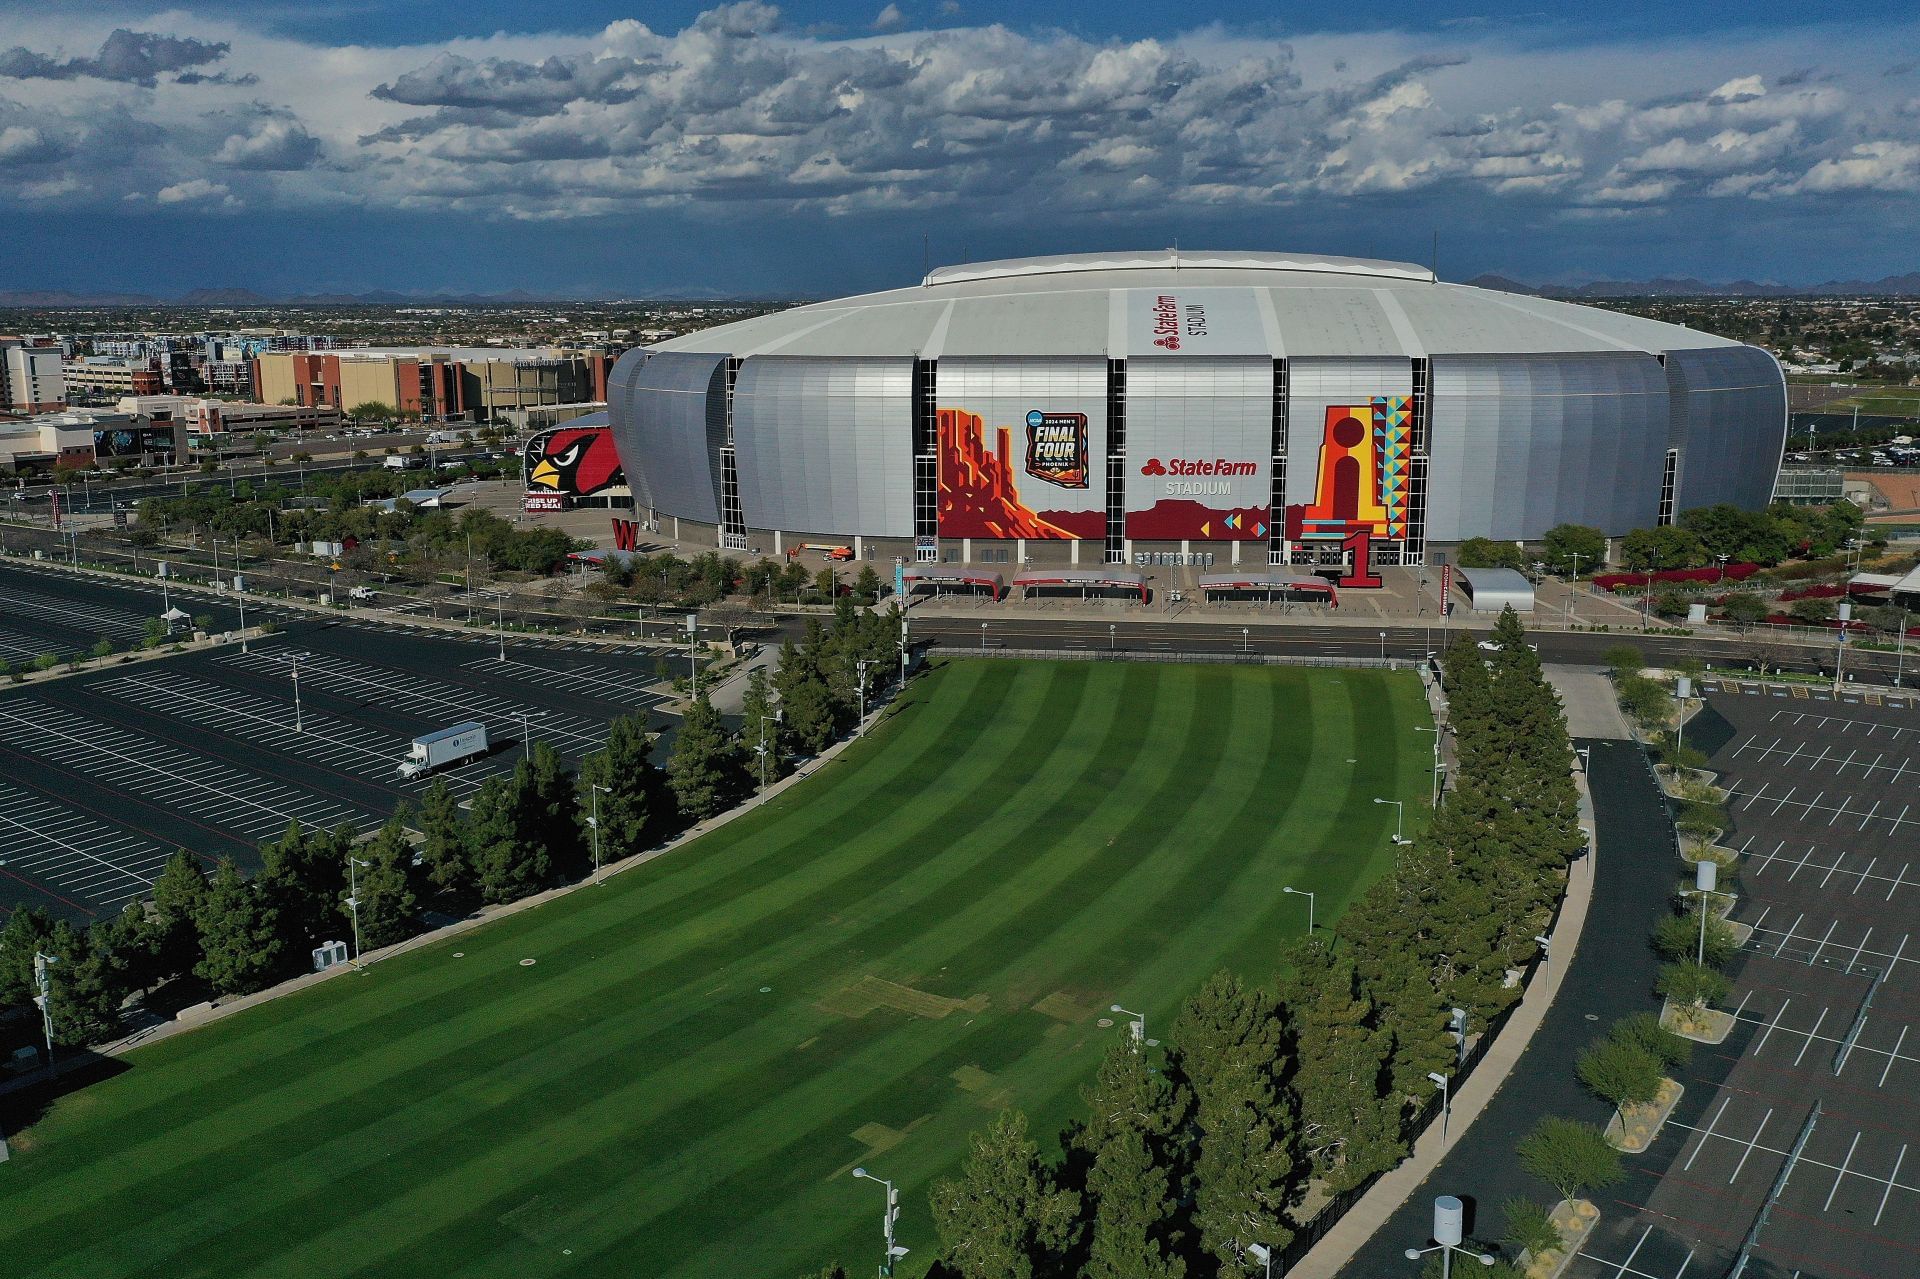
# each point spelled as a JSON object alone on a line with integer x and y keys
{"x": 1783, "y": 801}
{"x": 1842, "y": 1174}
{"x": 1892, "y": 1057}
{"x": 1892, "y": 1177}
{"x": 1857, "y": 949}
{"x": 1836, "y": 866}
{"x": 1844, "y": 801}
{"x": 1707, "y": 1133}
{"x": 1896, "y": 881}
{"x": 1811, "y": 1036}
{"x": 1815, "y": 957}
{"x": 1768, "y": 1032}
{"x": 1755, "y": 797}
{"x": 1790, "y": 932}
{"x": 1864, "y": 875}
{"x": 1751, "y": 1143}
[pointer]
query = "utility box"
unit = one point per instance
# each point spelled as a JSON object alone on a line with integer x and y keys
{"x": 328, "y": 955}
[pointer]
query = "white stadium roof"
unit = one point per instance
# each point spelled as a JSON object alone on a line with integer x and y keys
{"x": 1276, "y": 304}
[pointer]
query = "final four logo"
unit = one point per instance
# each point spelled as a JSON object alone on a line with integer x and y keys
{"x": 1057, "y": 448}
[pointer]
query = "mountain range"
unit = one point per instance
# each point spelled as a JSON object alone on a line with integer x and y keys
{"x": 1902, "y": 286}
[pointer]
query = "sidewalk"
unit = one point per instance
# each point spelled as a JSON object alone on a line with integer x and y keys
{"x": 1366, "y": 1218}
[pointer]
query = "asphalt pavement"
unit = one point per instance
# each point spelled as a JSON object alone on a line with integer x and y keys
{"x": 1610, "y": 976}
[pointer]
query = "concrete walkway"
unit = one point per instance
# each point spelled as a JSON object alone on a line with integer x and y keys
{"x": 1338, "y": 1247}
{"x": 1587, "y": 696}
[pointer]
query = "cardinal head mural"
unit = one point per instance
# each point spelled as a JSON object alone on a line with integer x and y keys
{"x": 576, "y": 461}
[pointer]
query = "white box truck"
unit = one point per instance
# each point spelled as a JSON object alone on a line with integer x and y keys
{"x": 404, "y": 462}
{"x": 448, "y": 746}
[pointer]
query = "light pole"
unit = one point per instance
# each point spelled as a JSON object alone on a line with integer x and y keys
{"x": 1840, "y": 650}
{"x": 1433, "y": 798}
{"x": 1301, "y": 892}
{"x": 1399, "y": 812}
{"x": 297, "y": 725}
{"x": 1706, "y": 874}
{"x": 1138, "y": 1026}
{"x": 1546, "y": 953}
{"x": 240, "y": 598}
{"x": 1446, "y": 1102}
{"x": 43, "y": 987}
{"x": 1383, "y": 648}
{"x": 526, "y": 718}
{"x": 860, "y": 725}
{"x": 1680, "y": 729}
{"x": 1458, "y": 1029}
{"x": 904, "y": 650}
{"x": 1113, "y": 637}
{"x": 1449, "y": 1228}
{"x": 353, "y": 899}
{"x": 500, "y": 620}
{"x": 594, "y": 821}
{"x": 693, "y": 662}
{"x": 1900, "y": 651}
{"x": 762, "y": 750}
{"x": 1262, "y": 1254}
{"x": 983, "y": 638}
{"x": 887, "y": 1218}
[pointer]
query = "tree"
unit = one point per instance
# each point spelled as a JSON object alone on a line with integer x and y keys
{"x": 240, "y": 938}
{"x": 443, "y": 845}
{"x": 384, "y": 886}
{"x": 86, "y": 986}
{"x": 1620, "y": 1071}
{"x": 376, "y": 410}
{"x": 178, "y": 896}
{"x": 1645, "y": 1029}
{"x": 1530, "y": 1227}
{"x": 1623, "y": 660}
{"x": 304, "y": 876}
{"x": 1006, "y": 1217}
{"x": 1811, "y": 610}
{"x": 1686, "y": 982}
{"x": 761, "y": 731}
{"x": 29, "y": 930}
{"x": 1574, "y": 548}
{"x": 523, "y": 832}
{"x": 1481, "y": 552}
{"x": 633, "y": 805}
{"x": 1349, "y": 1119}
{"x": 867, "y": 585}
{"x": 102, "y": 648}
{"x": 1665, "y": 547}
{"x": 1134, "y": 1116}
{"x": 705, "y": 771}
{"x": 1677, "y": 937}
{"x": 1571, "y": 1157}
{"x": 1743, "y": 608}
{"x": 1229, "y": 1040}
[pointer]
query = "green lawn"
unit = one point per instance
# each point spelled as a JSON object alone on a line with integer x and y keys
{"x": 859, "y": 972}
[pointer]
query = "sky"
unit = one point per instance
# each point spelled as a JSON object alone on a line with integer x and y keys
{"x": 623, "y": 149}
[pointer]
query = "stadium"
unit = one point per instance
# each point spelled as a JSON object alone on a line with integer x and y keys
{"x": 1181, "y": 407}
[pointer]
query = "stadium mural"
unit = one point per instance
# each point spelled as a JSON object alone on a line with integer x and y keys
{"x": 1360, "y": 483}
{"x": 1199, "y": 447}
{"x": 1018, "y": 449}
{"x": 569, "y": 462}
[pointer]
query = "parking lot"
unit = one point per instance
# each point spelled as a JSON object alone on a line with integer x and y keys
{"x": 108, "y": 772}
{"x": 1811, "y": 1104}
{"x": 49, "y": 610}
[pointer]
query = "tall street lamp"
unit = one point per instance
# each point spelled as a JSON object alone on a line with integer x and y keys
{"x": 1301, "y": 892}
{"x": 1262, "y": 1254}
{"x": 1137, "y": 1027}
{"x": 43, "y": 997}
{"x": 353, "y": 899}
{"x": 1706, "y": 874}
{"x": 1449, "y": 1229}
{"x": 1446, "y": 1101}
{"x": 1399, "y": 812}
{"x": 594, "y": 822}
{"x": 887, "y": 1218}
{"x": 860, "y": 725}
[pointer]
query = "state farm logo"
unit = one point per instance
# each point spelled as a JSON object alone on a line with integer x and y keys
{"x": 1166, "y": 328}
{"x": 1198, "y": 466}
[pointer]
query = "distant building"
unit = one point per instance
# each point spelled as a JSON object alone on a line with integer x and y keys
{"x": 206, "y": 417}
{"x": 98, "y": 379}
{"x": 44, "y": 442}
{"x": 30, "y": 380}
{"x": 437, "y": 383}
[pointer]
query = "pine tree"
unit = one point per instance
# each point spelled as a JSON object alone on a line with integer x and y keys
{"x": 1229, "y": 1040}
{"x": 633, "y": 806}
{"x": 29, "y": 930}
{"x": 177, "y": 897}
{"x": 705, "y": 772}
{"x": 1349, "y": 1122}
{"x": 502, "y": 870}
{"x": 240, "y": 938}
{"x": 761, "y": 732}
{"x": 86, "y": 991}
{"x": 443, "y": 847}
{"x": 1134, "y": 1113}
{"x": 547, "y": 813}
{"x": 304, "y": 876}
{"x": 384, "y": 887}
{"x": 1005, "y": 1218}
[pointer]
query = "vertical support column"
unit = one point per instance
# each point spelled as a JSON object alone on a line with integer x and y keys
{"x": 1278, "y": 552}
{"x": 1413, "y": 550}
{"x": 1116, "y": 548}
{"x": 926, "y": 462}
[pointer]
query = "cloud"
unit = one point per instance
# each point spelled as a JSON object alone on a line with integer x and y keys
{"x": 1883, "y": 165}
{"x": 129, "y": 57}
{"x": 889, "y": 19}
{"x": 194, "y": 191}
{"x": 276, "y": 145}
{"x": 27, "y": 144}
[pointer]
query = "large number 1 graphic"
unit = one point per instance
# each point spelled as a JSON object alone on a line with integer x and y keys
{"x": 1361, "y": 544}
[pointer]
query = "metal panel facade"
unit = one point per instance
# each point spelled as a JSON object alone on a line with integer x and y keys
{"x": 668, "y": 414}
{"x": 1022, "y": 447}
{"x": 1199, "y": 448}
{"x": 1730, "y": 411}
{"x": 825, "y": 445}
{"x": 1519, "y": 443}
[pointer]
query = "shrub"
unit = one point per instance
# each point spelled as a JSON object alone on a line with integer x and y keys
{"x": 1620, "y": 1072}
{"x": 1684, "y": 757}
{"x": 1624, "y": 660}
{"x": 1700, "y": 821}
{"x": 45, "y": 662}
{"x": 1645, "y": 1030}
{"x": 1645, "y": 699}
{"x": 1689, "y": 983}
{"x": 1677, "y": 937}
{"x": 1571, "y": 1157}
{"x": 1530, "y": 1227}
